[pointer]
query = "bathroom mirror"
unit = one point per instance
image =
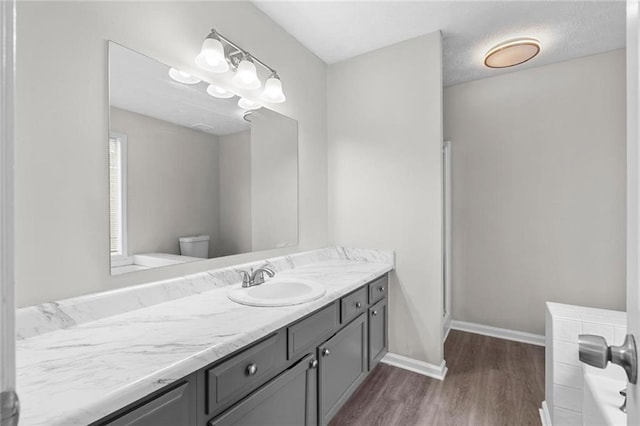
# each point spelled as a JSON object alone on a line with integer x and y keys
{"x": 192, "y": 176}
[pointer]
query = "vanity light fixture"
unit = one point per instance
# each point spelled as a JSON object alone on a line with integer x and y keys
{"x": 219, "y": 54}
{"x": 246, "y": 75}
{"x": 273, "y": 90}
{"x": 183, "y": 77}
{"x": 219, "y": 92}
{"x": 512, "y": 52}
{"x": 248, "y": 104}
{"x": 212, "y": 56}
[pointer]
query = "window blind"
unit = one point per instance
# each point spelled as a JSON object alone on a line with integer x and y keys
{"x": 115, "y": 195}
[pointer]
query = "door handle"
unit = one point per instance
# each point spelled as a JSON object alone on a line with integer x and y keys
{"x": 595, "y": 351}
{"x": 9, "y": 408}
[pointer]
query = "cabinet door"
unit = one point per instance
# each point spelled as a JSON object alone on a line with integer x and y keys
{"x": 174, "y": 407}
{"x": 343, "y": 366}
{"x": 289, "y": 399}
{"x": 377, "y": 332}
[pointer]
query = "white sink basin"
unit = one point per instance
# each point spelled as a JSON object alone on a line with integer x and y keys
{"x": 277, "y": 292}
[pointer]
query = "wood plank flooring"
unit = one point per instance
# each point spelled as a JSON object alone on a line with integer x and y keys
{"x": 490, "y": 382}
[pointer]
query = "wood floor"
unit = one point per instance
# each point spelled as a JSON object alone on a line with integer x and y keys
{"x": 490, "y": 382}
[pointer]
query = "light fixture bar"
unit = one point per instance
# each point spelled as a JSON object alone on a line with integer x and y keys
{"x": 240, "y": 49}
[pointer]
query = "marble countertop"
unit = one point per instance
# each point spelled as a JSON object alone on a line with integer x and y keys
{"x": 79, "y": 374}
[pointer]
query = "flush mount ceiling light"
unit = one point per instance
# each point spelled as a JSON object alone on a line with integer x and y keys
{"x": 512, "y": 52}
{"x": 183, "y": 77}
{"x": 245, "y": 103}
{"x": 219, "y": 92}
{"x": 219, "y": 54}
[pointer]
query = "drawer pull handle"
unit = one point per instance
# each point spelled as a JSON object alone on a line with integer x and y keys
{"x": 358, "y": 305}
{"x": 380, "y": 289}
{"x": 314, "y": 363}
{"x": 374, "y": 313}
{"x": 325, "y": 352}
{"x": 252, "y": 369}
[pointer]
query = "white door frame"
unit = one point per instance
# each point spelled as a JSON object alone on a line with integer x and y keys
{"x": 633, "y": 194}
{"x": 8, "y": 399}
{"x": 446, "y": 240}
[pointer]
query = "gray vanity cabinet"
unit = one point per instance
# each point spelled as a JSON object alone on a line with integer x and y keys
{"x": 377, "y": 332}
{"x": 343, "y": 366}
{"x": 172, "y": 407}
{"x": 289, "y": 399}
{"x": 236, "y": 377}
{"x": 301, "y": 374}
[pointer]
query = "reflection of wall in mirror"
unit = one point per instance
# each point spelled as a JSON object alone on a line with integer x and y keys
{"x": 172, "y": 183}
{"x": 235, "y": 193}
{"x": 274, "y": 180}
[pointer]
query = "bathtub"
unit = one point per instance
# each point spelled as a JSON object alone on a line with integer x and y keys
{"x": 153, "y": 260}
{"x": 601, "y": 398}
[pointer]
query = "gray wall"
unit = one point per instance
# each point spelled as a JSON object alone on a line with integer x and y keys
{"x": 62, "y": 221}
{"x": 274, "y": 193}
{"x": 385, "y": 179}
{"x": 172, "y": 183}
{"x": 235, "y": 193}
{"x": 538, "y": 191}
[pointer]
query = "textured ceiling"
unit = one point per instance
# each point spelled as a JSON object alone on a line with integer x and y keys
{"x": 336, "y": 31}
{"x": 141, "y": 84}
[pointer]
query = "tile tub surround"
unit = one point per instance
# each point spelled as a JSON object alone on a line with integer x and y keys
{"x": 563, "y": 370}
{"x": 81, "y": 373}
{"x": 34, "y": 320}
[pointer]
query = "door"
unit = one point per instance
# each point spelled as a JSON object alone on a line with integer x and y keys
{"x": 8, "y": 398}
{"x": 377, "y": 332}
{"x": 343, "y": 366}
{"x": 289, "y": 399}
{"x": 633, "y": 195}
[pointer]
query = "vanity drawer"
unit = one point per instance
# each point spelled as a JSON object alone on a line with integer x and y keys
{"x": 311, "y": 330}
{"x": 353, "y": 305}
{"x": 231, "y": 380}
{"x": 175, "y": 406}
{"x": 378, "y": 289}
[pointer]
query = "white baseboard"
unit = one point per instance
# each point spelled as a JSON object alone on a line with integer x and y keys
{"x": 420, "y": 367}
{"x": 501, "y": 333}
{"x": 545, "y": 418}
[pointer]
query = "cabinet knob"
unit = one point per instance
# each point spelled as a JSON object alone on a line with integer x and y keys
{"x": 358, "y": 305}
{"x": 325, "y": 352}
{"x": 313, "y": 363}
{"x": 252, "y": 369}
{"x": 381, "y": 289}
{"x": 374, "y": 313}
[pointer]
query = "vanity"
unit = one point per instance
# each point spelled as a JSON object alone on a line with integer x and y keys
{"x": 299, "y": 375}
{"x": 202, "y": 359}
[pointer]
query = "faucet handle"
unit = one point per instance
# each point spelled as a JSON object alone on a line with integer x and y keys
{"x": 246, "y": 277}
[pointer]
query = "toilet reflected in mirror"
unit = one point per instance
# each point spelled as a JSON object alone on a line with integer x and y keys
{"x": 195, "y": 246}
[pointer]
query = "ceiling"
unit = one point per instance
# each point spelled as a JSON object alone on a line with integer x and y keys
{"x": 141, "y": 84}
{"x": 336, "y": 31}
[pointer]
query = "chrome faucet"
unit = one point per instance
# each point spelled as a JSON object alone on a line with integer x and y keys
{"x": 249, "y": 279}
